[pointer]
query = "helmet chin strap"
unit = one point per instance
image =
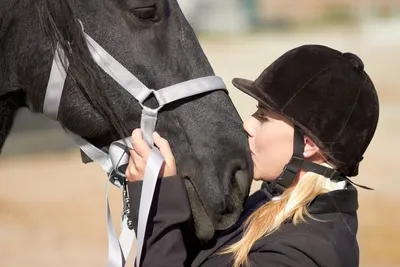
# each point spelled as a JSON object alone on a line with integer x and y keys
{"x": 297, "y": 163}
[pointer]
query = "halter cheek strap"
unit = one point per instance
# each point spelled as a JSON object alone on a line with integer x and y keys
{"x": 115, "y": 162}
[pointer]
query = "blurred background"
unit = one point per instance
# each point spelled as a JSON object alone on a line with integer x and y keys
{"x": 52, "y": 206}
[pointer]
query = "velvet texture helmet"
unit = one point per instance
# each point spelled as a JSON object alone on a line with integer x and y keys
{"x": 327, "y": 94}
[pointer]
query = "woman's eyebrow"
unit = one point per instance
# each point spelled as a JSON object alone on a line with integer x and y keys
{"x": 264, "y": 109}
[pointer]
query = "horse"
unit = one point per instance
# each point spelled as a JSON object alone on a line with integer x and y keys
{"x": 154, "y": 41}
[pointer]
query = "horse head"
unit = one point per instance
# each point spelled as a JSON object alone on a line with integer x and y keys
{"x": 153, "y": 40}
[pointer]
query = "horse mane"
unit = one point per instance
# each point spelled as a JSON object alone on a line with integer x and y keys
{"x": 62, "y": 27}
{"x": 7, "y": 17}
{"x": 7, "y": 11}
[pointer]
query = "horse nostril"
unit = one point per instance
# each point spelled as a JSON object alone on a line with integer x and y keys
{"x": 243, "y": 181}
{"x": 237, "y": 177}
{"x": 235, "y": 187}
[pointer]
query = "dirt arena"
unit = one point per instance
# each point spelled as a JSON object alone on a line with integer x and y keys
{"x": 52, "y": 207}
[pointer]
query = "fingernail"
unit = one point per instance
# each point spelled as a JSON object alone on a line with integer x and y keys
{"x": 156, "y": 134}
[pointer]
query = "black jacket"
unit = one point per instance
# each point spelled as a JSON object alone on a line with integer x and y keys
{"x": 327, "y": 243}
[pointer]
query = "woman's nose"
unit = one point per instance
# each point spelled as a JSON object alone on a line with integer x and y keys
{"x": 249, "y": 126}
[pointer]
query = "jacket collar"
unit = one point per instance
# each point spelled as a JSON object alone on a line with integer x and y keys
{"x": 338, "y": 201}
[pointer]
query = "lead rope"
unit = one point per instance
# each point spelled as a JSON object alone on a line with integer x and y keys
{"x": 118, "y": 155}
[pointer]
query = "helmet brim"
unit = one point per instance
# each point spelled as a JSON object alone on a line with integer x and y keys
{"x": 250, "y": 88}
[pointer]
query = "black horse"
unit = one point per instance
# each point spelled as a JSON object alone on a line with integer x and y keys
{"x": 153, "y": 40}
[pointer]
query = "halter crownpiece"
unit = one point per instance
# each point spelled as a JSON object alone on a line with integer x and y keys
{"x": 115, "y": 162}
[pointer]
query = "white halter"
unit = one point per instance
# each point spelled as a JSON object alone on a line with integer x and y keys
{"x": 112, "y": 163}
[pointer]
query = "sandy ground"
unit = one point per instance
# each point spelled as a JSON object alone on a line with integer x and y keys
{"x": 52, "y": 207}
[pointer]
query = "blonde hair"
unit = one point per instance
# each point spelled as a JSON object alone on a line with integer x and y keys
{"x": 291, "y": 205}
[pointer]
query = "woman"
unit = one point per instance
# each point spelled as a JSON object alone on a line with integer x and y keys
{"x": 317, "y": 113}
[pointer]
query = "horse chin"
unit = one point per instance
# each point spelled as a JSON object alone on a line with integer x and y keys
{"x": 207, "y": 221}
{"x": 237, "y": 193}
{"x": 204, "y": 226}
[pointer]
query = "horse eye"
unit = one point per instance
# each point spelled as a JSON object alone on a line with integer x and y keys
{"x": 145, "y": 12}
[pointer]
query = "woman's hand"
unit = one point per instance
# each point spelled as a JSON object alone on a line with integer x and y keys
{"x": 140, "y": 154}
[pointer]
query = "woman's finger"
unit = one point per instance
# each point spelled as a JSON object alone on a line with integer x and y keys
{"x": 169, "y": 166}
{"x": 131, "y": 172}
{"x": 139, "y": 162}
{"x": 164, "y": 147}
{"x": 139, "y": 145}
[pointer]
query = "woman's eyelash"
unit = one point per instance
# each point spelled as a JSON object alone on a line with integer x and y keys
{"x": 263, "y": 118}
{"x": 259, "y": 116}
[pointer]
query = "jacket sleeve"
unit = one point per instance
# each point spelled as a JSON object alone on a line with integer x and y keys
{"x": 169, "y": 227}
{"x": 299, "y": 250}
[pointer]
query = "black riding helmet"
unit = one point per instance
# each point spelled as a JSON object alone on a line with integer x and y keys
{"x": 329, "y": 97}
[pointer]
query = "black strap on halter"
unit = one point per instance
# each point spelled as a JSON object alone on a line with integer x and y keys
{"x": 296, "y": 163}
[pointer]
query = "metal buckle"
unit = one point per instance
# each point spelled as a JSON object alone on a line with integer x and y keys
{"x": 116, "y": 179}
{"x": 147, "y": 95}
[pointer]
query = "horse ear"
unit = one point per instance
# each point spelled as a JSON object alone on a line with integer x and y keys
{"x": 85, "y": 158}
